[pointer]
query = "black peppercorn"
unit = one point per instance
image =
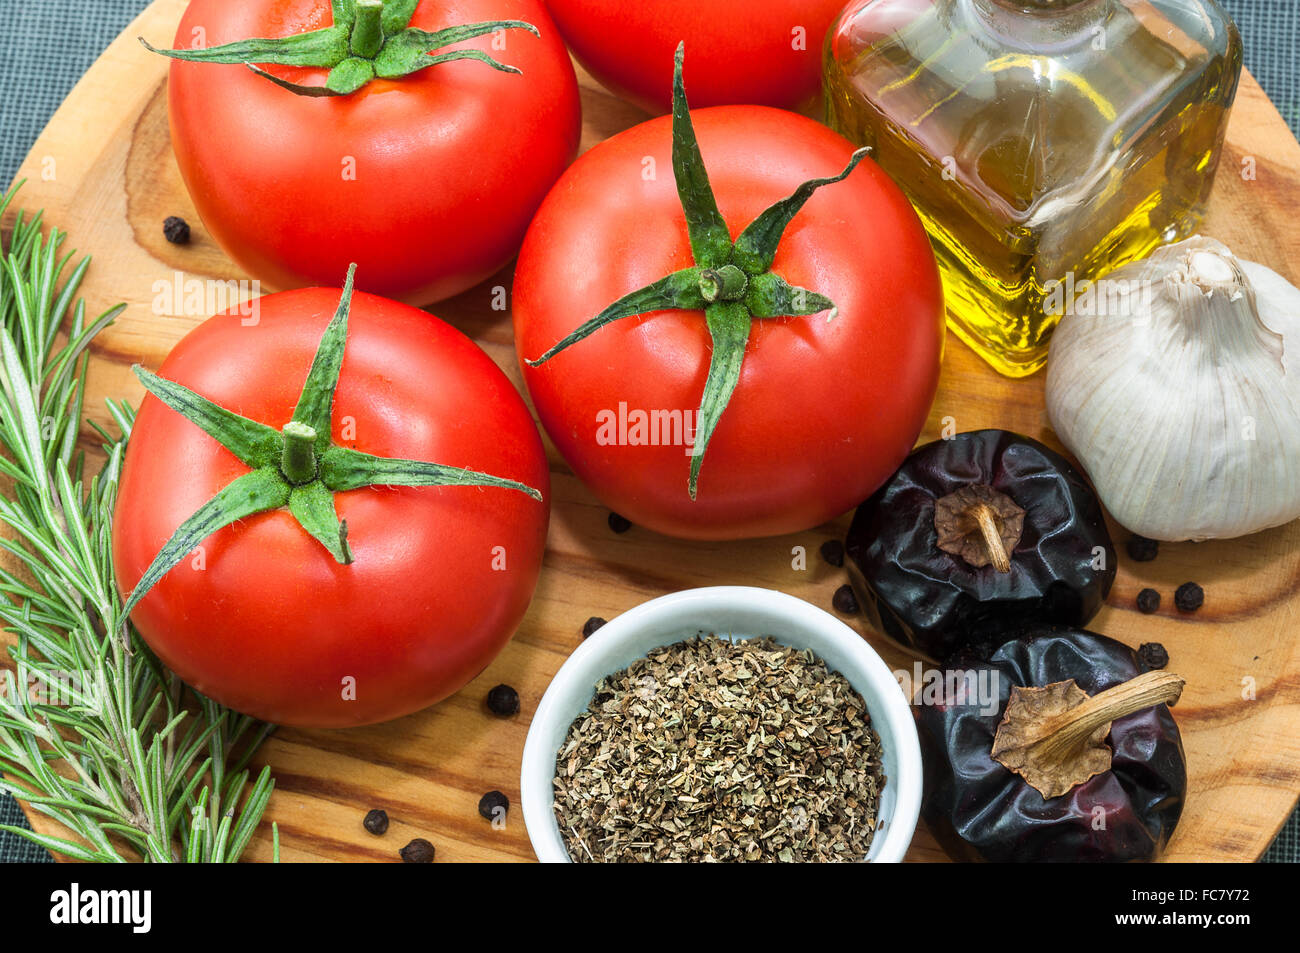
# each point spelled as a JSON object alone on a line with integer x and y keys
{"x": 1148, "y": 601}
{"x": 1153, "y": 655}
{"x": 176, "y": 230}
{"x": 376, "y": 822}
{"x": 1189, "y": 597}
{"x": 591, "y": 625}
{"x": 833, "y": 552}
{"x": 493, "y": 805}
{"x": 619, "y": 524}
{"x": 987, "y": 529}
{"x": 503, "y": 700}
{"x": 418, "y": 851}
{"x": 1141, "y": 549}
{"x": 845, "y": 601}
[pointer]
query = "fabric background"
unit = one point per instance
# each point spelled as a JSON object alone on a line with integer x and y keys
{"x": 51, "y": 44}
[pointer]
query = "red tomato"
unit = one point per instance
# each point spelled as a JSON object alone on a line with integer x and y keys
{"x": 428, "y": 181}
{"x": 766, "y": 52}
{"x": 825, "y": 410}
{"x": 262, "y": 618}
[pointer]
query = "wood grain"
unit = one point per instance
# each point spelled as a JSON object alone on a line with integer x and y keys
{"x": 103, "y": 170}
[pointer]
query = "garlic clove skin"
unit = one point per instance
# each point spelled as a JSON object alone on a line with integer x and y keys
{"x": 1278, "y": 302}
{"x": 1178, "y": 390}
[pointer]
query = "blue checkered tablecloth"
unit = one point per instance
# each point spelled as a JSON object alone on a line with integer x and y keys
{"x": 49, "y": 45}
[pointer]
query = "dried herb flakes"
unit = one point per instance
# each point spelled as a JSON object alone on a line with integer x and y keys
{"x": 713, "y": 750}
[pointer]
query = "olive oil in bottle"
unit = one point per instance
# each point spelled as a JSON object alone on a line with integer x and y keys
{"x": 1042, "y": 142}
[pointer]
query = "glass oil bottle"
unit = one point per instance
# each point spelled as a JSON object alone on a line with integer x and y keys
{"x": 1041, "y": 141}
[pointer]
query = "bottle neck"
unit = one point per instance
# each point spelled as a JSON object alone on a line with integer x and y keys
{"x": 1040, "y": 24}
{"x": 1039, "y": 7}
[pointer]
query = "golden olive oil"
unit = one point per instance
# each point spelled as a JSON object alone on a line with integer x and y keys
{"x": 1041, "y": 141}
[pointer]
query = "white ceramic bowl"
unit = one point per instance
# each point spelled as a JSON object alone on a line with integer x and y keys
{"x": 726, "y": 611}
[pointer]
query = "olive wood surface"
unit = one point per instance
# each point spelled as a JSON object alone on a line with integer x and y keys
{"x": 103, "y": 170}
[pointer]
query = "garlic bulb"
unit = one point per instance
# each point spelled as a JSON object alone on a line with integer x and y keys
{"x": 1176, "y": 384}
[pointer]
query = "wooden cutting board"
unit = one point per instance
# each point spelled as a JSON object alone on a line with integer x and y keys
{"x": 103, "y": 171}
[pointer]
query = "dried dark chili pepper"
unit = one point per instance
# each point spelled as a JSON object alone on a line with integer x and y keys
{"x": 1059, "y": 747}
{"x": 986, "y": 528}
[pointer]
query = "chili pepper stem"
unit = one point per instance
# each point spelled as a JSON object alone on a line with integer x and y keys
{"x": 1053, "y": 735}
{"x": 298, "y": 463}
{"x": 980, "y": 525}
{"x": 1061, "y": 736}
{"x": 988, "y": 523}
{"x": 368, "y": 30}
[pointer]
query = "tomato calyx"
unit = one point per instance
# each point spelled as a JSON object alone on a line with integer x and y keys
{"x": 299, "y": 467}
{"x": 731, "y": 282}
{"x": 369, "y": 39}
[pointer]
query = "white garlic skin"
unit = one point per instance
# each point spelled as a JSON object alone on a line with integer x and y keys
{"x": 1184, "y": 407}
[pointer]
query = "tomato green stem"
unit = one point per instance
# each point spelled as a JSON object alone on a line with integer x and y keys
{"x": 368, "y": 29}
{"x": 298, "y": 461}
{"x": 368, "y": 39}
{"x": 727, "y": 283}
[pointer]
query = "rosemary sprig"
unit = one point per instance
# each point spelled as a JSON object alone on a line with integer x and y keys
{"x": 94, "y": 732}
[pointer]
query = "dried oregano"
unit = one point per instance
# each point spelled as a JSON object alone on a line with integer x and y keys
{"x": 713, "y": 750}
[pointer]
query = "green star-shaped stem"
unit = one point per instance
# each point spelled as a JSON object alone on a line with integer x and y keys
{"x": 298, "y": 467}
{"x": 731, "y": 282}
{"x": 368, "y": 39}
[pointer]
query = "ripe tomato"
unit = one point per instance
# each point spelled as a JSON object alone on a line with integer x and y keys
{"x": 765, "y": 52}
{"x": 427, "y": 181}
{"x": 261, "y": 617}
{"x": 824, "y": 410}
